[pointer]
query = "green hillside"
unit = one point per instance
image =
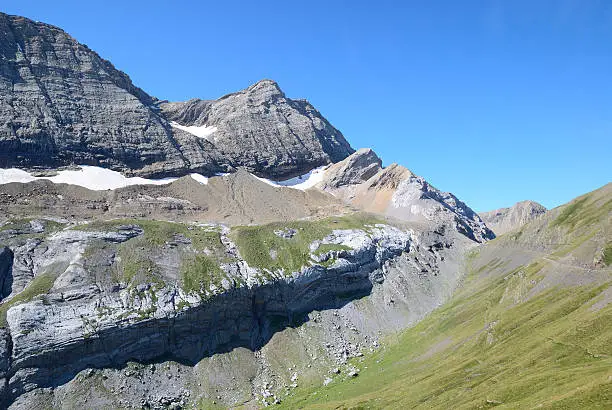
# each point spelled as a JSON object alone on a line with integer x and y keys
{"x": 531, "y": 327}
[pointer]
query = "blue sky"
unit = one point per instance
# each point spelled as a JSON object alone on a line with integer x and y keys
{"x": 495, "y": 101}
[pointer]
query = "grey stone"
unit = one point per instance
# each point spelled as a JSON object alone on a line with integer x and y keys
{"x": 357, "y": 168}
{"x": 62, "y": 104}
{"x": 80, "y": 325}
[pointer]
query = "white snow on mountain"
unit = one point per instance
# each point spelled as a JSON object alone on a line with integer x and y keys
{"x": 201, "y": 131}
{"x": 94, "y": 178}
{"x": 200, "y": 178}
{"x": 301, "y": 182}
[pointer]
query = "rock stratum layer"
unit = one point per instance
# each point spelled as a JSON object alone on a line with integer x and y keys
{"x": 77, "y": 302}
{"x": 62, "y": 104}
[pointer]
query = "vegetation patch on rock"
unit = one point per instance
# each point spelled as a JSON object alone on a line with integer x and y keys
{"x": 40, "y": 285}
{"x": 262, "y": 248}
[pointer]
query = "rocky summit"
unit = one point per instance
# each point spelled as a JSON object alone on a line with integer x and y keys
{"x": 262, "y": 130}
{"x": 62, "y": 104}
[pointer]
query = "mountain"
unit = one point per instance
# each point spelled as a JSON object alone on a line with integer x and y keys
{"x": 395, "y": 191}
{"x": 147, "y": 240}
{"x": 62, "y": 104}
{"x": 262, "y": 130}
{"x": 508, "y": 219}
{"x": 528, "y": 328}
{"x": 239, "y": 253}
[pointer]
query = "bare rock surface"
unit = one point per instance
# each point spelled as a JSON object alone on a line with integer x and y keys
{"x": 62, "y": 104}
{"x": 264, "y": 131}
{"x": 237, "y": 198}
{"x": 86, "y": 320}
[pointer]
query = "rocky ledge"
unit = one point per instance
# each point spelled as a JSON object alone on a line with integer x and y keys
{"x": 82, "y": 323}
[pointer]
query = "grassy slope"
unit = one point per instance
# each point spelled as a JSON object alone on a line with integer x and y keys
{"x": 39, "y": 286}
{"x": 136, "y": 264}
{"x": 262, "y": 248}
{"x": 496, "y": 343}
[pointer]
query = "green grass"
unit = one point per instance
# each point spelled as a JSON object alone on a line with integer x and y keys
{"x": 156, "y": 233}
{"x": 135, "y": 265}
{"x": 136, "y": 256}
{"x": 40, "y": 285}
{"x": 198, "y": 273}
{"x": 607, "y": 254}
{"x": 488, "y": 346}
{"x": 329, "y": 247}
{"x": 584, "y": 211}
{"x": 262, "y": 248}
{"x": 24, "y": 223}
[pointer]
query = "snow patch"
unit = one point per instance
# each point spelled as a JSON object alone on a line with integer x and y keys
{"x": 202, "y": 131}
{"x": 301, "y": 182}
{"x": 94, "y": 178}
{"x": 200, "y": 178}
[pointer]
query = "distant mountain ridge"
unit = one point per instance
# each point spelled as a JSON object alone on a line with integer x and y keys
{"x": 62, "y": 104}
{"x": 508, "y": 219}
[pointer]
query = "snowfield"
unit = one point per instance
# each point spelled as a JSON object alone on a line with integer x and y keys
{"x": 301, "y": 182}
{"x": 102, "y": 179}
{"x": 202, "y": 131}
{"x": 94, "y": 178}
{"x": 200, "y": 178}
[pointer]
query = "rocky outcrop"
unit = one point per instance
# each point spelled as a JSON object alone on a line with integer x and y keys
{"x": 356, "y": 169}
{"x": 508, "y": 219}
{"x": 62, "y": 104}
{"x": 86, "y": 322}
{"x": 395, "y": 191}
{"x": 264, "y": 131}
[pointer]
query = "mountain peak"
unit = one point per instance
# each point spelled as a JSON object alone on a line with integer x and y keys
{"x": 508, "y": 219}
{"x": 265, "y": 84}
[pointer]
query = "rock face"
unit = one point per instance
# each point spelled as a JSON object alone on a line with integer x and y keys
{"x": 508, "y": 219}
{"x": 396, "y": 191}
{"x": 62, "y": 104}
{"x": 87, "y": 321}
{"x": 264, "y": 131}
{"x": 357, "y": 168}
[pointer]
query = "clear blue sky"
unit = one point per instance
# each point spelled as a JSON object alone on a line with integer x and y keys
{"x": 495, "y": 101}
